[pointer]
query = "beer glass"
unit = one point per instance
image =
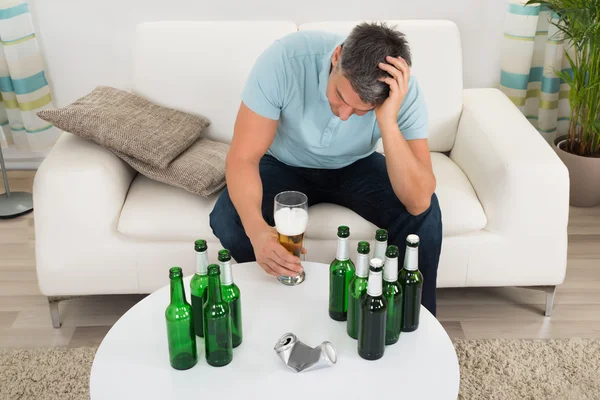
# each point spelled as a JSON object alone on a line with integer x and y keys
{"x": 291, "y": 220}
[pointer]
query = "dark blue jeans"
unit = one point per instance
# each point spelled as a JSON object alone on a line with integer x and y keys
{"x": 363, "y": 187}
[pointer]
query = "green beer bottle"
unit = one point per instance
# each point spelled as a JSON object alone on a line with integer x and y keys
{"x": 392, "y": 291}
{"x": 381, "y": 238}
{"x": 372, "y": 317}
{"x": 231, "y": 295}
{"x": 180, "y": 325}
{"x": 217, "y": 322}
{"x": 341, "y": 272}
{"x": 357, "y": 288}
{"x": 198, "y": 285}
{"x": 411, "y": 280}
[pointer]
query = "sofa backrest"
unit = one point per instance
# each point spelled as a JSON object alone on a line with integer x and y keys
{"x": 201, "y": 67}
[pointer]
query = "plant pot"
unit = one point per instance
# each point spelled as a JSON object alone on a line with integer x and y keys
{"x": 584, "y": 176}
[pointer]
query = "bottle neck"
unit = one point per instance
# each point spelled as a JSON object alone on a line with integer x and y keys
{"x": 411, "y": 258}
{"x": 226, "y": 274}
{"x": 177, "y": 296}
{"x": 343, "y": 250}
{"x": 201, "y": 262}
{"x": 390, "y": 269}
{"x": 380, "y": 250}
{"x": 374, "y": 286}
{"x": 214, "y": 289}
{"x": 362, "y": 265}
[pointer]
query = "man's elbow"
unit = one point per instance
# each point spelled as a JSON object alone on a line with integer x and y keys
{"x": 418, "y": 209}
{"x": 233, "y": 164}
{"x": 419, "y": 206}
{"x": 234, "y": 160}
{"x": 230, "y": 162}
{"x": 421, "y": 202}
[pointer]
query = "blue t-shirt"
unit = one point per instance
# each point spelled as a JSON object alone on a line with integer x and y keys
{"x": 288, "y": 84}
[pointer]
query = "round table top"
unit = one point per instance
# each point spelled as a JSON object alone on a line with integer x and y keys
{"x": 132, "y": 361}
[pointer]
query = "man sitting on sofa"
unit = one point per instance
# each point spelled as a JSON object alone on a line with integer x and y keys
{"x": 313, "y": 109}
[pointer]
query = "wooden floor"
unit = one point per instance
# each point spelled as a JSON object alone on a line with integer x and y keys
{"x": 470, "y": 313}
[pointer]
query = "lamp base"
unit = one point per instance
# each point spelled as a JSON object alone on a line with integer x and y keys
{"x": 15, "y": 205}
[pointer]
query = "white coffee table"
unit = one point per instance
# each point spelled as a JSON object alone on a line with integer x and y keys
{"x": 132, "y": 361}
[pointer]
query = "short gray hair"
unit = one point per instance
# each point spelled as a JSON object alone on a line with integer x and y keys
{"x": 365, "y": 47}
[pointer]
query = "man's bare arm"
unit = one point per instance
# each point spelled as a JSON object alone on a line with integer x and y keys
{"x": 253, "y": 134}
{"x": 410, "y": 170}
{"x": 408, "y": 162}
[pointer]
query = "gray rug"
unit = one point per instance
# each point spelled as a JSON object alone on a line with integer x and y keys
{"x": 490, "y": 369}
{"x": 46, "y": 374}
{"x": 529, "y": 369}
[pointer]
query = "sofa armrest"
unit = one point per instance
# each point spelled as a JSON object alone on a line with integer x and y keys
{"x": 521, "y": 183}
{"x": 78, "y": 193}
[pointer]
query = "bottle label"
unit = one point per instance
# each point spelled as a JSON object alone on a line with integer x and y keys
{"x": 390, "y": 269}
{"x": 343, "y": 249}
{"x": 202, "y": 262}
{"x": 226, "y": 274}
{"x": 411, "y": 259}
{"x": 380, "y": 250}
{"x": 362, "y": 265}
{"x": 374, "y": 287}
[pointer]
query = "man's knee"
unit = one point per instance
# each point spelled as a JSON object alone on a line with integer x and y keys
{"x": 431, "y": 224}
{"x": 227, "y": 227}
{"x": 436, "y": 211}
{"x": 224, "y": 220}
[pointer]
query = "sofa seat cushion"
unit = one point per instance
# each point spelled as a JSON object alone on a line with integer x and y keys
{"x": 161, "y": 212}
{"x": 461, "y": 210}
{"x": 156, "y": 211}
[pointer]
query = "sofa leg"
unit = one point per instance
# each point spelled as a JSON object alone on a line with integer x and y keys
{"x": 550, "y": 292}
{"x": 54, "y": 313}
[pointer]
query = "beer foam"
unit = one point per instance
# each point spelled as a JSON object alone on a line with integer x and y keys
{"x": 291, "y": 221}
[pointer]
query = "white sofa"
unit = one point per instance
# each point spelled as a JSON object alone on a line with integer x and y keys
{"x": 101, "y": 228}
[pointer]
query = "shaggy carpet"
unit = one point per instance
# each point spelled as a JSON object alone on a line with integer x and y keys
{"x": 489, "y": 369}
{"x": 529, "y": 369}
{"x": 48, "y": 374}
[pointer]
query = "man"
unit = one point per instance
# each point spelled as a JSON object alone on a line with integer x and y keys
{"x": 313, "y": 109}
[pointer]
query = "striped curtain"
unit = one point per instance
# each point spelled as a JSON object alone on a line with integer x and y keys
{"x": 531, "y": 56}
{"x": 23, "y": 86}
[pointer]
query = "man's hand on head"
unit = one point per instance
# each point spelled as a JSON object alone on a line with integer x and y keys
{"x": 387, "y": 113}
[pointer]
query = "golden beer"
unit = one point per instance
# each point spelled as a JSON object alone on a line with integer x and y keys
{"x": 291, "y": 220}
{"x": 293, "y": 244}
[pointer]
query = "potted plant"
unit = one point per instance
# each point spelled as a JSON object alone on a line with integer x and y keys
{"x": 578, "y": 23}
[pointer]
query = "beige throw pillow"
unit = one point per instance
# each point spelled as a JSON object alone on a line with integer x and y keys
{"x": 128, "y": 124}
{"x": 200, "y": 169}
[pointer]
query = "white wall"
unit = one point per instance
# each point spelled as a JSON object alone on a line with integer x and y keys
{"x": 88, "y": 42}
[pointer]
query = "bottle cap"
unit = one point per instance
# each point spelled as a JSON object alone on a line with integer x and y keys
{"x": 214, "y": 269}
{"x": 343, "y": 231}
{"x": 376, "y": 265}
{"x": 175, "y": 272}
{"x": 392, "y": 251}
{"x": 200, "y": 245}
{"x": 364, "y": 247}
{"x": 381, "y": 235}
{"x": 224, "y": 255}
{"x": 412, "y": 240}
